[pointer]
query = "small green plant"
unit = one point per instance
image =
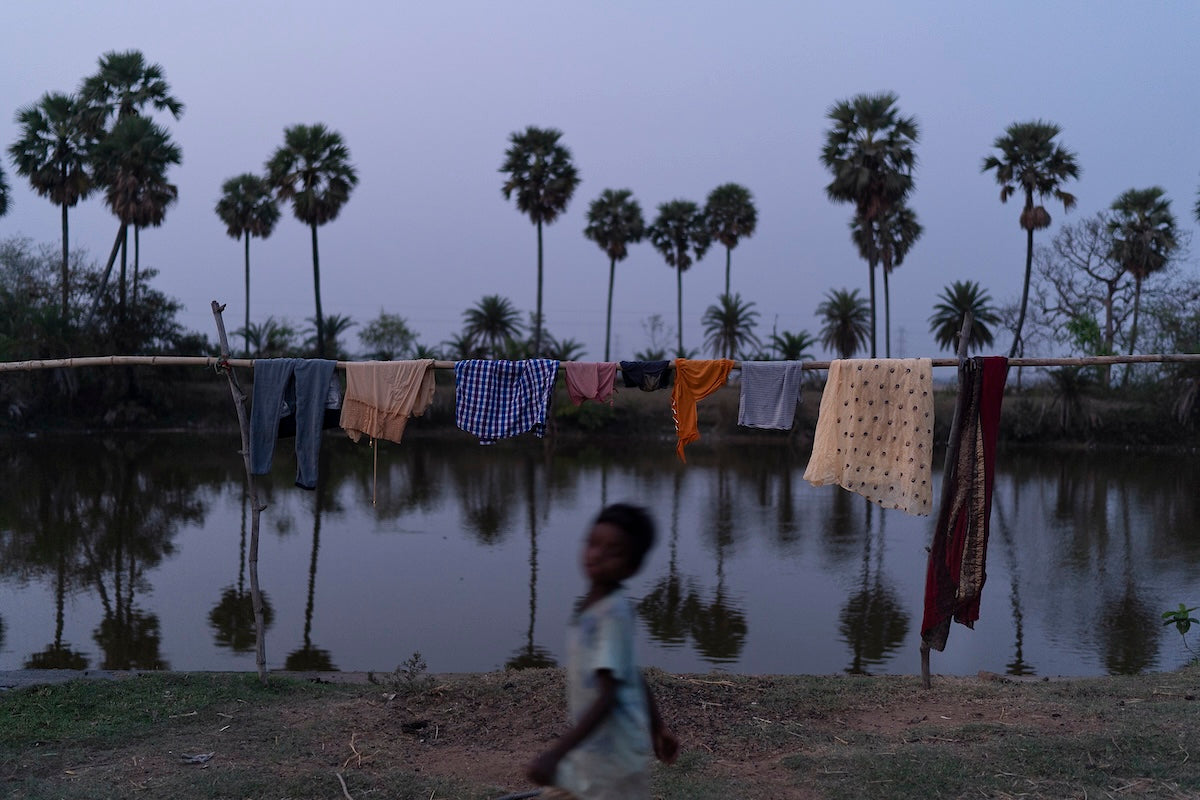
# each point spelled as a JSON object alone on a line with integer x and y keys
{"x": 409, "y": 678}
{"x": 1182, "y": 619}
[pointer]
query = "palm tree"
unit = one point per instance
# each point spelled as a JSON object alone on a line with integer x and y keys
{"x": 3, "y": 193}
{"x": 335, "y": 326}
{"x": 614, "y": 222}
{"x": 543, "y": 178}
{"x": 312, "y": 169}
{"x": 1031, "y": 161}
{"x": 730, "y": 214}
{"x": 957, "y": 299}
{"x": 869, "y": 150}
{"x": 52, "y": 152}
{"x": 729, "y": 326}
{"x": 1143, "y": 239}
{"x": 846, "y": 321}
{"x": 888, "y": 241}
{"x": 492, "y": 324}
{"x": 131, "y": 164}
{"x": 793, "y": 346}
{"x": 124, "y": 85}
{"x": 247, "y": 208}
{"x": 681, "y": 236}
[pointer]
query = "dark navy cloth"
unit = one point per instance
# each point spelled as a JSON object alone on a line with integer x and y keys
{"x": 646, "y": 375}
{"x": 296, "y": 383}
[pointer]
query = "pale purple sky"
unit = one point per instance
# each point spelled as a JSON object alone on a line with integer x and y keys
{"x": 669, "y": 99}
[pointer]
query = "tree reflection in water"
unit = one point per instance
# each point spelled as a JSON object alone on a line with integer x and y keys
{"x": 530, "y": 655}
{"x": 1130, "y": 629}
{"x": 232, "y": 618}
{"x": 1018, "y": 665}
{"x": 873, "y": 621}
{"x": 310, "y": 658}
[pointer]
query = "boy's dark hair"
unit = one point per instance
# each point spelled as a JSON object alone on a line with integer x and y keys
{"x": 637, "y": 524}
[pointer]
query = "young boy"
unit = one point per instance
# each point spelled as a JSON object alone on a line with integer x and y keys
{"x": 614, "y": 721}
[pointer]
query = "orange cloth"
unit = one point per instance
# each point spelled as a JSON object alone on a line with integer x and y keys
{"x": 694, "y": 381}
{"x": 382, "y": 395}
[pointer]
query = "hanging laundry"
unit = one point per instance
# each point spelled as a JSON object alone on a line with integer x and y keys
{"x": 331, "y": 417}
{"x": 495, "y": 399}
{"x": 646, "y": 375}
{"x": 381, "y": 396}
{"x": 694, "y": 381}
{"x": 957, "y": 558}
{"x": 303, "y": 385}
{"x": 770, "y": 394}
{"x": 590, "y": 380}
{"x": 875, "y": 432}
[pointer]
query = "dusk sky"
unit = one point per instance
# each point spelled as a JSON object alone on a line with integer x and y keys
{"x": 669, "y": 99}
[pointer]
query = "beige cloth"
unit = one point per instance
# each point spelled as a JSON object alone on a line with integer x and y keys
{"x": 382, "y": 395}
{"x": 875, "y": 432}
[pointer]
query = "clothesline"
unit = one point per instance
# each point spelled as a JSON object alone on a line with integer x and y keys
{"x": 248, "y": 363}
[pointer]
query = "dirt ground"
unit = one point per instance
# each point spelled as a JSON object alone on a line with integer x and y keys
{"x": 746, "y": 737}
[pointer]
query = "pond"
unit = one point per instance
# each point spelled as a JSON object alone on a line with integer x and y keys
{"x": 128, "y": 551}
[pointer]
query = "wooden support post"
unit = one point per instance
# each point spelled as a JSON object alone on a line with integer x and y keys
{"x": 952, "y": 444}
{"x": 239, "y": 404}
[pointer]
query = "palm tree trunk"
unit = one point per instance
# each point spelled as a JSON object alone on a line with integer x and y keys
{"x": 871, "y": 262}
{"x": 887, "y": 317}
{"x": 1012, "y": 353}
{"x": 66, "y": 283}
{"x": 727, "y": 259}
{"x": 537, "y": 330}
{"x": 679, "y": 307}
{"x": 612, "y": 271}
{"x": 137, "y": 260}
{"x": 246, "y": 327}
{"x": 1137, "y": 302}
{"x": 108, "y": 268}
{"x": 317, "y": 294}
{"x": 122, "y": 283}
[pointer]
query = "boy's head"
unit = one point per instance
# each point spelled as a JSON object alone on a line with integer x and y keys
{"x": 621, "y": 536}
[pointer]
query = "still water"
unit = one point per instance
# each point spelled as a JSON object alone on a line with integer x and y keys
{"x": 129, "y": 552}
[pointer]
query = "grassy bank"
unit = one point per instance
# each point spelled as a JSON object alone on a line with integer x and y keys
{"x": 466, "y": 736}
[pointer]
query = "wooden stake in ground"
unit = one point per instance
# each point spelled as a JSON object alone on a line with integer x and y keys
{"x": 239, "y": 404}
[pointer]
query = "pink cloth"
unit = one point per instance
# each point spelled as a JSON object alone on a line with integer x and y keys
{"x": 587, "y": 380}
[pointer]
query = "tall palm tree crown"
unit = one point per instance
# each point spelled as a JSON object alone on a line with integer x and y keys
{"x": 792, "y": 346}
{"x": 543, "y": 179}
{"x": 614, "y": 221}
{"x": 312, "y": 169}
{"x": 869, "y": 149}
{"x": 888, "y": 242}
{"x": 730, "y": 214}
{"x": 52, "y": 152}
{"x": 491, "y": 324}
{"x": 248, "y": 208}
{"x": 845, "y": 322}
{"x": 1143, "y": 231}
{"x": 729, "y": 326}
{"x": 957, "y": 299}
{"x": 680, "y": 234}
{"x": 1031, "y": 161}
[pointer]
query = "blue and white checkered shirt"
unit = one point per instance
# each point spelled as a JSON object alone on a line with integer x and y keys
{"x": 495, "y": 399}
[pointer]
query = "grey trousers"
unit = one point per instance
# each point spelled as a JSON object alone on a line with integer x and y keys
{"x": 303, "y": 384}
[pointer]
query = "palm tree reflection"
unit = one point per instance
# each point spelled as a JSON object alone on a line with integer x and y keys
{"x": 310, "y": 658}
{"x": 1129, "y": 628}
{"x": 531, "y": 655}
{"x": 873, "y": 621}
{"x": 232, "y": 618}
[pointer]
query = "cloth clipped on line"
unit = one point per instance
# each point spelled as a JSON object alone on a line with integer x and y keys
{"x": 381, "y": 396}
{"x": 770, "y": 394}
{"x": 497, "y": 399}
{"x": 588, "y": 380}
{"x": 875, "y": 432}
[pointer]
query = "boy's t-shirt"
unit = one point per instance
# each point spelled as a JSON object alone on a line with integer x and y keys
{"x": 616, "y": 756}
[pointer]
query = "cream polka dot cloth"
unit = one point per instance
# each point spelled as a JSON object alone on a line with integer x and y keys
{"x": 875, "y": 432}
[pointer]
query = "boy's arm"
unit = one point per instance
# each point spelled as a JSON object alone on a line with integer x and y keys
{"x": 666, "y": 746}
{"x": 541, "y": 770}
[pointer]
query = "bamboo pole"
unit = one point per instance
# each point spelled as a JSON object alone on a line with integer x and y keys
{"x": 256, "y": 508}
{"x": 948, "y": 467}
{"x": 248, "y": 363}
